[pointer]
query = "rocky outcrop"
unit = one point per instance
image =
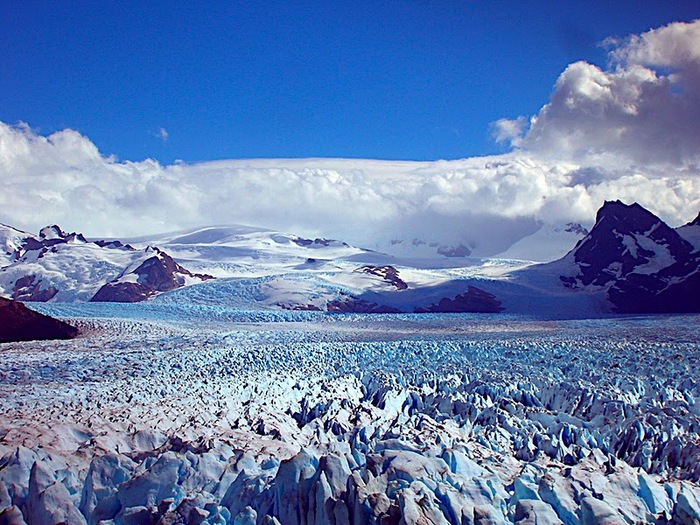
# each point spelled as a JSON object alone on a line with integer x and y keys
{"x": 306, "y": 243}
{"x": 158, "y": 273}
{"x": 474, "y": 300}
{"x": 454, "y": 251}
{"x": 675, "y": 289}
{"x": 359, "y": 306}
{"x": 387, "y": 273}
{"x": 19, "y": 323}
{"x": 29, "y": 288}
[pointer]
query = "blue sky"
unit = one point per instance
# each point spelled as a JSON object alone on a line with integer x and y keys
{"x": 413, "y": 80}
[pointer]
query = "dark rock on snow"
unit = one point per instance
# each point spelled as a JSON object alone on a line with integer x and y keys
{"x": 613, "y": 249}
{"x": 474, "y": 300}
{"x": 388, "y": 273}
{"x": 28, "y": 288}
{"x": 159, "y": 273}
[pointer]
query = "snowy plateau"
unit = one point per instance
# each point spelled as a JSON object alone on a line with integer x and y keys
{"x": 253, "y": 377}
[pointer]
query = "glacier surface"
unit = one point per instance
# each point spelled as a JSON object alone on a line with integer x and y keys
{"x": 165, "y": 413}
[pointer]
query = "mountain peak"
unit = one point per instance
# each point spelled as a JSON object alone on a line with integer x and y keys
{"x": 52, "y": 232}
{"x": 625, "y": 239}
{"x": 625, "y": 217}
{"x": 695, "y": 222}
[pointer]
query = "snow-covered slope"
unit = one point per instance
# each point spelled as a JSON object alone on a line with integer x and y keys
{"x": 691, "y": 232}
{"x": 243, "y": 251}
{"x": 12, "y": 242}
{"x": 62, "y": 266}
{"x": 548, "y": 243}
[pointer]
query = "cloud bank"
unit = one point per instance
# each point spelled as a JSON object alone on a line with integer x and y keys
{"x": 631, "y": 131}
{"x": 644, "y": 109}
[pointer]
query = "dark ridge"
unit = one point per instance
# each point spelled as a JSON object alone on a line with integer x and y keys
{"x": 19, "y": 323}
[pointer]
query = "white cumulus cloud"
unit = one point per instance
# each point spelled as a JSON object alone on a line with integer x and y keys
{"x": 488, "y": 202}
{"x": 643, "y": 109}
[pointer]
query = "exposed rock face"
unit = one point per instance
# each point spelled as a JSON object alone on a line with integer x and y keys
{"x": 574, "y": 227}
{"x": 159, "y": 273}
{"x": 675, "y": 289}
{"x": 300, "y": 241}
{"x": 114, "y": 244}
{"x": 28, "y": 288}
{"x": 473, "y": 300}
{"x": 645, "y": 266}
{"x": 625, "y": 239}
{"x": 388, "y": 273}
{"x": 359, "y": 306}
{"x": 19, "y": 323}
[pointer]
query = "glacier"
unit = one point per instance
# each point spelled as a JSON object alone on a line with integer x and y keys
{"x": 165, "y": 412}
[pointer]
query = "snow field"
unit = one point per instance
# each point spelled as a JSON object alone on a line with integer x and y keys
{"x": 165, "y": 414}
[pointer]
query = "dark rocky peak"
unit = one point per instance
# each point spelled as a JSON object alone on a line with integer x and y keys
{"x": 621, "y": 217}
{"x": 52, "y": 232}
{"x": 158, "y": 273}
{"x": 51, "y": 236}
{"x": 454, "y": 251}
{"x": 300, "y": 241}
{"x": 624, "y": 238}
{"x": 115, "y": 244}
{"x": 19, "y": 323}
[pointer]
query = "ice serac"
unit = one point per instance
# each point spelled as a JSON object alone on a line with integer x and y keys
{"x": 157, "y": 273}
{"x": 19, "y": 323}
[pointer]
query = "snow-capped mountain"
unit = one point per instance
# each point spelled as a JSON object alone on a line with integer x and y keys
{"x": 61, "y": 266}
{"x": 638, "y": 260}
{"x": 244, "y": 251}
{"x": 258, "y": 268}
{"x": 145, "y": 278}
{"x": 624, "y": 240}
{"x": 629, "y": 261}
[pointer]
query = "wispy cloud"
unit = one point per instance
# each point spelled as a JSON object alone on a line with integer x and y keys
{"x": 162, "y": 134}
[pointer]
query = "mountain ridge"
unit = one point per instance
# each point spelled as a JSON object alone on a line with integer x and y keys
{"x": 629, "y": 262}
